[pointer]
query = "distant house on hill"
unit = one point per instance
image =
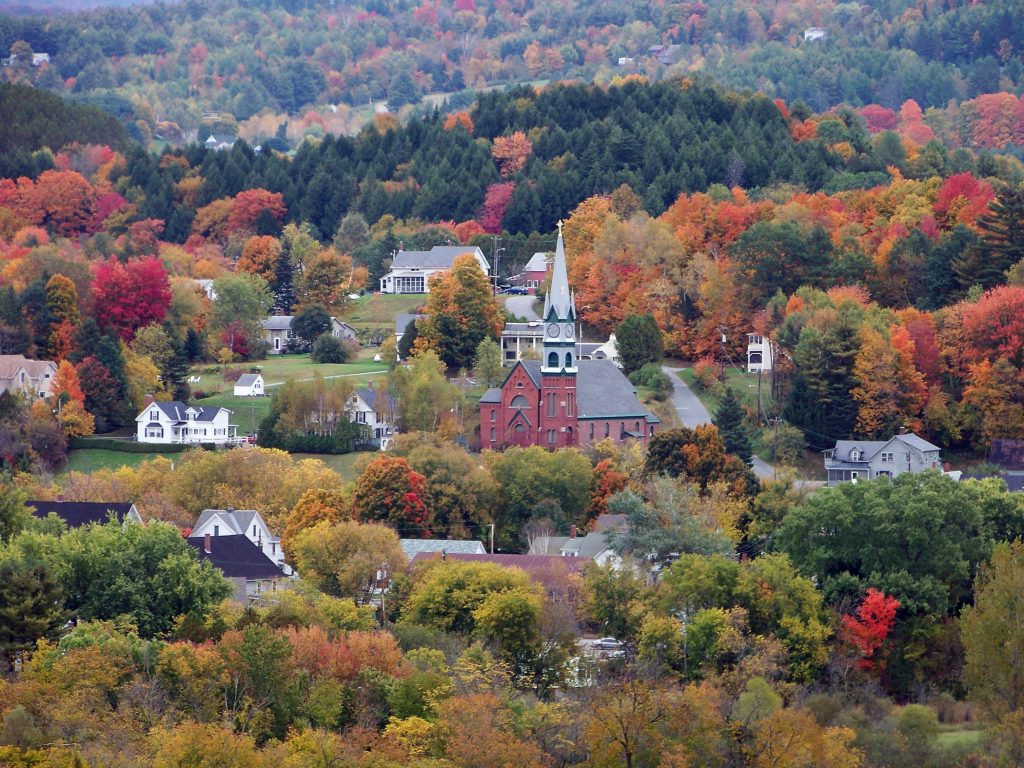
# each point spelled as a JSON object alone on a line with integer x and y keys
{"x": 277, "y": 332}
{"x": 815, "y": 33}
{"x": 78, "y": 513}
{"x": 536, "y": 271}
{"x": 252, "y": 574}
{"x": 219, "y": 142}
{"x": 594, "y": 546}
{"x": 760, "y": 356}
{"x": 853, "y": 460}
{"x": 249, "y": 385}
{"x": 33, "y": 377}
{"x": 666, "y": 55}
{"x": 411, "y": 270}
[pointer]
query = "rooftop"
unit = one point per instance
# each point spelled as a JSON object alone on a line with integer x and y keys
{"x": 79, "y": 513}
{"x": 438, "y": 257}
{"x": 235, "y": 556}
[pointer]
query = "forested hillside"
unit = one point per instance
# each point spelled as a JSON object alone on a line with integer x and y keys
{"x": 292, "y": 67}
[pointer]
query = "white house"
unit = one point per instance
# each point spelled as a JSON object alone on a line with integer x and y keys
{"x": 172, "y": 421}
{"x": 377, "y": 410}
{"x": 239, "y": 522}
{"x": 410, "y": 270}
{"x": 815, "y": 33}
{"x": 207, "y": 287}
{"x": 256, "y": 579}
{"x": 277, "y": 332}
{"x": 759, "y": 353}
{"x": 249, "y": 385}
{"x": 596, "y": 546}
{"x": 33, "y": 377}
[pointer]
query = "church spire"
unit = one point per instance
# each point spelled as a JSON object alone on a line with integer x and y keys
{"x": 560, "y": 298}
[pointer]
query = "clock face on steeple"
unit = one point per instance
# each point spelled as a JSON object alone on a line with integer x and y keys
{"x": 553, "y": 330}
{"x": 570, "y": 330}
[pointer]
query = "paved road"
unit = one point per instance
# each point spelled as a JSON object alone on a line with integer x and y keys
{"x": 522, "y": 306}
{"x": 692, "y": 413}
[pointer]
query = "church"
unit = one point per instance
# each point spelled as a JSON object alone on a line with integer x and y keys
{"x": 561, "y": 400}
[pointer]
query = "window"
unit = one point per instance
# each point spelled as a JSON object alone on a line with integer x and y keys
{"x": 591, "y": 430}
{"x": 755, "y": 358}
{"x": 277, "y": 343}
{"x": 553, "y": 360}
{"x": 216, "y": 530}
{"x": 568, "y": 359}
{"x": 854, "y": 455}
{"x": 494, "y": 416}
{"x": 273, "y": 548}
{"x": 153, "y": 416}
{"x": 887, "y": 457}
{"x": 155, "y": 432}
{"x": 254, "y": 530}
{"x": 552, "y": 436}
{"x": 552, "y": 403}
{"x": 361, "y": 417}
{"x": 637, "y": 428}
{"x": 854, "y": 475}
{"x": 570, "y": 403}
{"x": 607, "y": 429}
{"x": 494, "y": 434}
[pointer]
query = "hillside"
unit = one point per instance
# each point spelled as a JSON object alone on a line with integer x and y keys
{"x": 290, "y": 67}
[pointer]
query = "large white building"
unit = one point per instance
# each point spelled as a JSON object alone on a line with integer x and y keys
{"x": 240, "y": 522}
{"x": 172, "y": 421}
{"x": 411, "y": 270}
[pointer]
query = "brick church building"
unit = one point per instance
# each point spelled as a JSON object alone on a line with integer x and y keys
{"x": 561, "y": 400}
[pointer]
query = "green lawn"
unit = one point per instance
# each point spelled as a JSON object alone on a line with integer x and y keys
{"x": 743, "y": 384}
{"x": 89, "y": 460}
{"x": 378, "y": 310}
{"x": 277, "y": 369}
{"x": 246, "y": 412}
{"x": 964, "y": 739}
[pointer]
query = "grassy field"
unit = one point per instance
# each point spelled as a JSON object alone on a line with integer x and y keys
{"x": 278, "y": 369}
{"x": 92, "y": 459}
{"x": 378, "y": 310}
{"x": 964, "y": 739}
{"x": 743, "y": 384}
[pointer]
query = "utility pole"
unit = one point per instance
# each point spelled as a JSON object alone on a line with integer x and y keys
{"x": 492, "y": 538}
{"x": 758, "y": 397}
{"x": 494, "y": 259}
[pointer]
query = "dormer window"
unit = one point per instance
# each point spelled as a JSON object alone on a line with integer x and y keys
{"x": 854, "y": 455}
{"x": 153, "y": 415}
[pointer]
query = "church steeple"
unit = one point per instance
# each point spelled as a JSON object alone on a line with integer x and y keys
{"x": 559, "y": 297}
{"x": 559, "y": 350}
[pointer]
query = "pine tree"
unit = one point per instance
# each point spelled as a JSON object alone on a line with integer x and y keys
{"x": 1002, "y": 241}
{"x": 639, "y": 341}
{"x": 409, "y": 336}
{"x": 175, "y": 370}
{"x": 731, "y": 421}
{"x": 193, "y": 345}
{"x": 33, "y": 608}
{"x": 13, "y": 328}
{"x": 284, "y": 284}
{"x": 85, "y": 340}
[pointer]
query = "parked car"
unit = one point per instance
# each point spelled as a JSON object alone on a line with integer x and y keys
{"x": 608, "y": 644}
{"x": 518, "y": 290}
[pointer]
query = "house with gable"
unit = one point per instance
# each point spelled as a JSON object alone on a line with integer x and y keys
{"x": 411, "y": 270}
{"x": 536, "y": 271}
{"x": 172, "y": 421}
{"x": 853, "y": 460}
{"x": 560, "y": 400}
{"x": 377, "y": 410}
{"x": 33, "y": 377}
{"x": 277, "y": 332}
{"x": 240, "y": 522}
{"x": 413, "y": 547}
{"x": 250, "y": 385}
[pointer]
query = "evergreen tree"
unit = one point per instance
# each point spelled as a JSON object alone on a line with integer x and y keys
{"x": 409, "y": 336}
{"x": 31, "y": 603}
{"x": 37, "y": 312}
{"x": 1002, "y": 241}
{"x": 731, "y": 420}
{"x": 284, "y": 284}
{"x": 14, "y": 339}
{"x": 193, "y": 346}
{"x": 175, "y": 370}
{"x": 84, "y": 341}
{"x": 311, "y": 323}
{"x": 639, "y": 342}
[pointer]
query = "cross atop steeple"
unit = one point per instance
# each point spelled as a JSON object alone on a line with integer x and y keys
{"x": 560, "y": 223}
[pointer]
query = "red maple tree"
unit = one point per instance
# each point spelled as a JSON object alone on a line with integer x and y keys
{"x": 132, "y": 295}
{"x": 867, "y": 630}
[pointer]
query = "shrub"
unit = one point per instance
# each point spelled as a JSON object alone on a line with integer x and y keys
{"x": 786, "y": 443}
{"x": 329, "y": 349}
{"x": 708, "y": 372}
{"x": 650, "y": 375}
{"x": 232, "y": 374}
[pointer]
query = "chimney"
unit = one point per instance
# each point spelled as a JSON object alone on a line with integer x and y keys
{"x": 572, "y": 531}
{"x": 230, "y": 508}
{"x": 207, "y": 543}
{"x": 147, "y": 401}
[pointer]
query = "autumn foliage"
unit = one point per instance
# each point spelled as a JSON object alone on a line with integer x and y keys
{"x": 868, "y": 628}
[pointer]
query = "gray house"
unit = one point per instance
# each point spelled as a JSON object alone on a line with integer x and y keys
{"x": 868, "y": 459}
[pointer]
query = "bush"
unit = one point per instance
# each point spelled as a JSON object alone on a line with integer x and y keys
{"x": 329, "y": 349}
{"x": 708, "y": 372}
{"x": 651, "y": 376}
{"x": 232, "y": 374}
{"x": 126, "y": 446}
{"x": 786, "y": 443}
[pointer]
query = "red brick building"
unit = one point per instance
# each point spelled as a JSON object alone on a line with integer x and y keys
{"x": 560, "y": 400}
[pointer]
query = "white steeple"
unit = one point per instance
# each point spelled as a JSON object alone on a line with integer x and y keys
{"x": 559, "y": 348}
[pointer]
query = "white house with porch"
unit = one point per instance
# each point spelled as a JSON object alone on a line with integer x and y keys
{"x": 240, "y": 522}
{"x": 411, "y": 270}
{"x": 172, "y": 421}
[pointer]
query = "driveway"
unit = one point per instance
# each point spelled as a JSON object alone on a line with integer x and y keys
{"x": 692, "y": 413}
{"x": 522, "y": 306}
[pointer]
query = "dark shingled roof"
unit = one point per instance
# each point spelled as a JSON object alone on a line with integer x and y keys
{"x": 438, "y": 257}
{"x": 236, "y": 556}
{"x": 79, "y": 513}
{"x": 175, "y": 409}
{"x": 492, "y": 395}
{"x": 370, "y": 396}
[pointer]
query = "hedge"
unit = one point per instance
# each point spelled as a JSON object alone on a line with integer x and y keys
{"x": 130, "y": 446}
